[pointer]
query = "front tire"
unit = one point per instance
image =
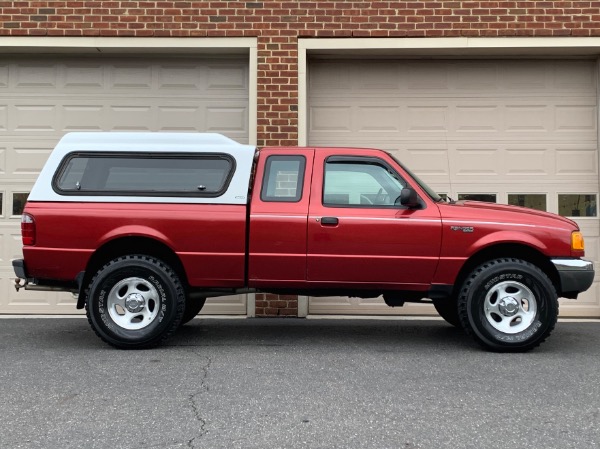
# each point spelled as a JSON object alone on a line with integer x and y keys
{"x": 135, "y": 302}
{"x": 508, "y": 305}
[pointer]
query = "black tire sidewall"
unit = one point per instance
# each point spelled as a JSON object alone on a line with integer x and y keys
{"x": 491, "y": 274}
{"x": 164, "y": 281}
{"x": 192, "y": 308}
{"x": 448, "y": 310}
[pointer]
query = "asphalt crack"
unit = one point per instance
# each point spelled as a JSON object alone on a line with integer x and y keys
{"x": 193, "y": 400}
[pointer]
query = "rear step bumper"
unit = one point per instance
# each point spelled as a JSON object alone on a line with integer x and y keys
{"x": 23, "y": 281}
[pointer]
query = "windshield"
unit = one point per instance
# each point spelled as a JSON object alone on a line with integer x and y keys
{"x": 434, "y": 196}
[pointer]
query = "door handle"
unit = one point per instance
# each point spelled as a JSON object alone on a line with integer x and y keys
{"x": 329, "y": 221}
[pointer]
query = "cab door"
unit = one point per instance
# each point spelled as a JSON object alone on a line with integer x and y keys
{"x": 358, "y": 234}
{"x": 278, "y": 218}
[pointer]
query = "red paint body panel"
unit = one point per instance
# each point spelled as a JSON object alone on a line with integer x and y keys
{"x": 277, "y": 251}
{"x": 495, "y": 224}
{"x": 209, "y": 239}
{"x": 387, "y": 248}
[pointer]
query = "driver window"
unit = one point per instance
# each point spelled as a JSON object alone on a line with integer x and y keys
{"x": 360, "y": 184}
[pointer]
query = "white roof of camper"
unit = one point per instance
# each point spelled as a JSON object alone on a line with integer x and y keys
{"x": 148, "y": 142}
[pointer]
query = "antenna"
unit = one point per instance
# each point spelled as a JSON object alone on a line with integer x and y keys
{"x": 448, "y": 155}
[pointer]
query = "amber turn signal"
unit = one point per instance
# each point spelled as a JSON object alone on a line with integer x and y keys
{"x": 577, "y": 241}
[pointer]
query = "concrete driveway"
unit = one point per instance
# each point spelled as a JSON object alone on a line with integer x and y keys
{"x": 292, "y": 383}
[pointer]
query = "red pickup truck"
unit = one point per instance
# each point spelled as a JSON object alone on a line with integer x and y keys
{"x": 145, "y": 226}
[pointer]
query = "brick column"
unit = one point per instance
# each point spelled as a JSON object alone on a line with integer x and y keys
{"x": 277, "y": 122}
{"x": 277, "y": 88}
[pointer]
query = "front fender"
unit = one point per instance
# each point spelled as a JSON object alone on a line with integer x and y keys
{"x": 459, "y": 247}
{"x": 506, "y": 237}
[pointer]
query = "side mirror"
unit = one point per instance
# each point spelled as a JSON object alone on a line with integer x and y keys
{"x": 408, "y": 197}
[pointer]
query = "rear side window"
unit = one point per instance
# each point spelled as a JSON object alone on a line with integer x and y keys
{"x": 284, "y": 178}
{"x": 144, "y": 174}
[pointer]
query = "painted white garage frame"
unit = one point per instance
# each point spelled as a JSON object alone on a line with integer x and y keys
{"x": 150, "y": 47}
{"x": 431, "y": 48}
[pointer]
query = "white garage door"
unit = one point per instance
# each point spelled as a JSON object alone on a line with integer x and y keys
{"x": 510, "y": 131}
{"x": 43, "y": 98}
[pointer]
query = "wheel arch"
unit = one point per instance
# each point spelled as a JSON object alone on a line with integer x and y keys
{"x": 513, "y": 250}
{"x": 129, "y": 245}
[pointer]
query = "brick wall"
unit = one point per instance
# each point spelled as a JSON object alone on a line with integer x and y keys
{"x": 276, "y": 305}
{"x": 278, "y": 24}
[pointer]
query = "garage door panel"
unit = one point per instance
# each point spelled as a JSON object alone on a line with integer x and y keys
{"x": 579, "y": 117}
{"x": 327, "y": 119}
{"x": 483, "y": 118}
{"x": 378, "y": 118}
{"x": 63, "y": 116}
{"x": 83, "y": 77}
{"x": 574, "y": 76}
{"x": 5, "y": 247}
{"x": 26, "y": 160}
{"x": 430, "y": 160}
{"x": 498, "y": 127}
{"x": 3, "y": 158}
{"x": 567, "y": 120}
{"x": 13, "y": 243}
{"x": 429, "y": 77}
{"x": 586, "y": 305}
{"x": 12, "y": 301}
{"x": 223, "y": 118}
{"x": 34, "y": 117}
{"x": 110, "y": 76}
{"x": 529, "y": 161}
{"x": 40, "y": 76}
{"x": 82, "y": 116}
{"x": 423, "y": 118}
{"x": 3, "y": 118}
{"x": 580, "y": 162}
{"x": 43, "y": 98}
{"x": 225, "y": 305}
{"x": 435, "y": 79}
{"x": 477, "y": 161}
{"x": 528, "y": 118}
{"x": 227, "y": 77}
{"x": 3, "y": 75}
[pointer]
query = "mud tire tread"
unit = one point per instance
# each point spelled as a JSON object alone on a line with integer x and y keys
{"x": 179, "y": 299}
{"x": 482, "y": 270}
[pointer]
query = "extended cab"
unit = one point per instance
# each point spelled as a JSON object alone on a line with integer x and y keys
{"x": 145, "y": 226}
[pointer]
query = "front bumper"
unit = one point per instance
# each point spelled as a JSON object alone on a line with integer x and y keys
{"x": 576, "y": 276}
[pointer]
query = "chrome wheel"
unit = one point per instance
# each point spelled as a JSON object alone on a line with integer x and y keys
{"x": 133, "y": 303}
{"x": 508, "y": 304}
{"x": 510, "y": 307}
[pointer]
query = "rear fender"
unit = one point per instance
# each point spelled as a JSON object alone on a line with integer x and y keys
{"x": 135, "y": 231}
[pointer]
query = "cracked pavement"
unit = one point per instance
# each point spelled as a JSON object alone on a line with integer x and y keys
{"x": 290, "y": 383}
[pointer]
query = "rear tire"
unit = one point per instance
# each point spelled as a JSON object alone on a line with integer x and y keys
{"x": 135, "y": 302}
{"x": 192, "y": 308}
{"x": 508, "y": 305}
